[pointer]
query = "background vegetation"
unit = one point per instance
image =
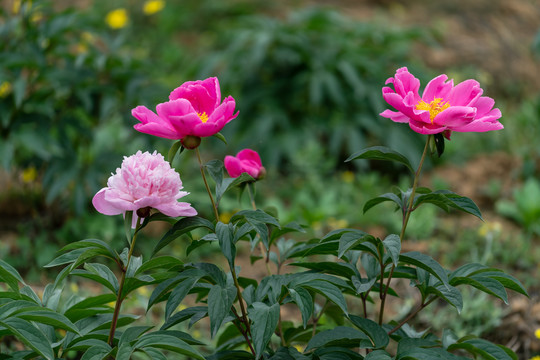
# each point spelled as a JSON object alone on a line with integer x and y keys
{"x": 307, "y": 80}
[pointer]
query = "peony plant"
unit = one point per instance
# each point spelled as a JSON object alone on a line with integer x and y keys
{"x": 344, "y": 277}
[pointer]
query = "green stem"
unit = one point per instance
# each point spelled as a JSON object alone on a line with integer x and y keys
{"x": 411, "y": 315}
{"x": 201, "y": 166}
{"x": 119, "y": 298}
{"x": 406, "y": 216}
{"x": 264, "y": 251}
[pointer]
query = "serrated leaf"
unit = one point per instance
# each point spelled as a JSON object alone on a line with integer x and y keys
{"x": 381, "y": 153}
{"x": 181, "y": 227}
{"x": 265, "y": 319}
{"x": 378, "y": 338}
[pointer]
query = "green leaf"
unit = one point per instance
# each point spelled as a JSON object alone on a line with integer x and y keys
{"x": 255, "y": 215}
{"x": 336, "y": 268}
{"x": 290, "y": 353}
{"x": 225, "y": 236}
{"x": 48, "y": 317}
{"x": 383, "y": 198}
{"x": 448, "y": 293}
{"x": 173, "y": 150}
{"x": 427, "y": 263}
{"x": 484, "y": 348}
{"x": 181, "y": 227}
{"x": 439, "y": 143}
{"x": 339, "y": 336}
{"x": 168, "y": 342}
{"x": 392, "y": 244}
{"x": 350, "y": 240}
{"x": 381, "y": 153}
{"x": 485, "y": 284}
{"x": 378, "y": 338}
{"x": 178, "y": 294}
{"x": 302, "y": 298}
{"x": 160, "y": 262}
{"x": 10, "y": 276}
{"x": 29, "y": 335}
{"x": 196, "y": 312}
{"x": 220, "y": 137}
{"x": 97, "y": 353}
{"x": 329, "y": 291}
{"x": 445, "y": 199}
{"x": 265, "y": 319}
{"x": 220, "y": 300}
{"x": 378, "y": 355}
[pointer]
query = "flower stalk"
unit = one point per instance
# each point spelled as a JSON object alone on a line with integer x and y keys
{"x": 120, "y": 298}
{"x": 406, "y": 215}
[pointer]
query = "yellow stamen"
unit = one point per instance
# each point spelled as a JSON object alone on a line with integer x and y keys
{"x": 434, "y": 107}
{"x": 203, "y": 117}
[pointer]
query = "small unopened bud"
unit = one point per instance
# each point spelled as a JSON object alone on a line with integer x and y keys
{"x": 190, "y": 142}
{"x": 143, "y": 212}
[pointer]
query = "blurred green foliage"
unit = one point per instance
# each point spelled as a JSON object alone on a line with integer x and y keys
{"x": 314, "y": 75}
{"x": 68, "y": 91}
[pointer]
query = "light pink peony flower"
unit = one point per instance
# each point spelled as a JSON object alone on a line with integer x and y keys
{"x": 247, "y": 161}
{"x": 195, "y": 109}
{"x": 144, "y": 181}
{"x": 442, "y": 107}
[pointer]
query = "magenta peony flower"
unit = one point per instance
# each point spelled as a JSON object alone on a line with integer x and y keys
{"x": 443, "y": 107}
{"x": 144, "y": 181}
{"x": 247, "y": 161}
{"x": 195, "y": 109}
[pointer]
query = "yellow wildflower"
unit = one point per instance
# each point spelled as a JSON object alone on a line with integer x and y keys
{"x": 117, "y": 19}
{"x": 5, "y": 89}
{"x": 196, "y": 334}
{"x": 29, "y": 175}
{"x": 225, "y": 217}
{"x": 16, "y": 6}
{"x": 74, "y": 287}
{"x": 347, "y": 176}
{"x": 153, "y": 6}
{"x": 537, "y": 333}
{"x": 537, "y": 357}
{"x": 299, "y": 348}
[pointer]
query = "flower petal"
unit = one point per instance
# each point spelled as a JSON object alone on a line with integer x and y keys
{"x": 152, "y": 124}
{"x": 437, "y": 88}
{"x": 103, "y": 206}
{"x": 455, "y": 117}
{"x": 175, "y": 209}
{"x": 233, "y": 166}
{"x": 465, "y": 93}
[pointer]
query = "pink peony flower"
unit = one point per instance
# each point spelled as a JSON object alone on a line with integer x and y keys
{"x": 144, "y": 181}
{"x": 195, "y": 109}
{"x": 247, "y": 161}
{"x": 442, "y": 107}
